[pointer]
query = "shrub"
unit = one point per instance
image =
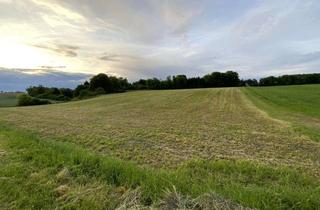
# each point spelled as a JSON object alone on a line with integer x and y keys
{"x": 66, "y": 92}
{"x": 56, "y": 94}
{"x": 26, "y": 100}
{"x": 86, "y": 94}
{"x": 79, "y": 88}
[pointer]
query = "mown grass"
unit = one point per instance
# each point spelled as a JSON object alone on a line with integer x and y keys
{"x": 8, "y": 99}
{"x": 196, "y": 144}
{"x": 299, "y": 105}
{"x": 39, "y": 173}
{"x": 164, "y": 129}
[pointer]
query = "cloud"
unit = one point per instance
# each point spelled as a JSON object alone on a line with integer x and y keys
{"x": 117, "y": 57}
{"x": 52, "y": 67}
{"x": 147, "y": 38}
{"x": 110, "y": 57}
{"x": 298, "y": 60}
{"x": 5, "y": 1}
{"x": 60, "y": 10}
{"x": 309, "y": 57}
{"x": 20, "y": 79}
{"x": 63, "y": 49}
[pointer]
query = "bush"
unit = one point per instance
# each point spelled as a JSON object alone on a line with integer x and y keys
{"x": 50, "y": 96}
{"x": 88, "y": 94}
{"x": 26, "y": 100}
{"x": 56, "y": 94}
{"x": 79, "y": 88}
{"x": 66, "y": 92}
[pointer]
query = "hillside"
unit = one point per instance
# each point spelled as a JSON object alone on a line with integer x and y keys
{"x": 245, "y": 152}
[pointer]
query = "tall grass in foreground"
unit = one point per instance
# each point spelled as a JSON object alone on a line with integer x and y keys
{"x": 43, "y": 174}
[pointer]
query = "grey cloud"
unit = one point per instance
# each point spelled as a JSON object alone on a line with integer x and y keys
{"x": 118, "y": 57}
{"x": 110, "y": 57}
{"x": 52, "y": 67}
{"x": 20, "y": 79}
{"x": 309, "y": 57}
{"x": 292, "y": 60}
{"x": 146, "y": 38}
{"x": 68, "y": 47}
{"x": 66, "y": 50}
{"x": 144, "y": 21}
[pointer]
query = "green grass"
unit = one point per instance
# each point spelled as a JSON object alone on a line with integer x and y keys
{"x": 163, "y": 129}
{"x": 299, "y": 105}
{"x": 8, "y": 99}
{"x": 32, "y": 176}
{"x": 96, "y": 153}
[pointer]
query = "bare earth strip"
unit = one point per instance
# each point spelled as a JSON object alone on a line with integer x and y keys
{"x": 166, "y": 128}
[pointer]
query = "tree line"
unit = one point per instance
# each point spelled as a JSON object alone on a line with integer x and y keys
{"x": 297, "y": 79}
{"x": 104, "y": 84}
{"x": 215, "y": 79}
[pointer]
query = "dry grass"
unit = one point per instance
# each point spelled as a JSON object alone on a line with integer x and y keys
{"x": 173, "y": 200}
{"x": 166, "y": 128}
{"x": 212, "y": 201}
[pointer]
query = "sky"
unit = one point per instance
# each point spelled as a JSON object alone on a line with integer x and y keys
{"x": 64, "y": 42}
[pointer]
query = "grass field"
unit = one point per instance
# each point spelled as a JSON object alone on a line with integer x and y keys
{"x": 211, "y": 144}
{"x": 299, "y": 105}
{"x": 8, "y": 99}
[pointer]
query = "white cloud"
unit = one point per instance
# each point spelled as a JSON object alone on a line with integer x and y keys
{"x": 147, "y": 38}
{"x": 60, "y": 10}
{"x": 5, "y": 1}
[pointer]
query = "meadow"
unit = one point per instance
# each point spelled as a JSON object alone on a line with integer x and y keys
{"x": 231, "y": 148}
{"x": 8, "y": 99}
{"x": 298, "y": 105}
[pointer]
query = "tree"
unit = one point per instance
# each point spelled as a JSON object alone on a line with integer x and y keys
{"x": 36, "y": 90}
{"x": 215, "y": 79}
{"x": 180, "y": 81}
{"x": 269, "y": 81}
{"x": 249, "y": 82}
{"x": 196, "y": 82}
{"x": 296, "y": 79}
{"x": 67, "y": 92}
{"x": 153, "y": 84}
{"x": 79, "y": 88}
{"x": 124, "y": 84}
{"x": 118, "y": 84}
{"x": 231, "y": 79}
{"x": 101, "y": 81}
{"x": 140, "y": 85}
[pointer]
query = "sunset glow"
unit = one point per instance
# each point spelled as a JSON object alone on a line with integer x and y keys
{"x": 18, "y": 55}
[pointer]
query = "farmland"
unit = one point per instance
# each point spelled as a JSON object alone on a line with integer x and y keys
{"x": 8, "y": 99}
{"x": 246, "y": 145}
{"x": 298, "y": 105}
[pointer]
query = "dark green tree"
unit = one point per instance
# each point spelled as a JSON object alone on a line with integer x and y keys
{"x": 101, "y": 81}
{"x": 180, "y": 81}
